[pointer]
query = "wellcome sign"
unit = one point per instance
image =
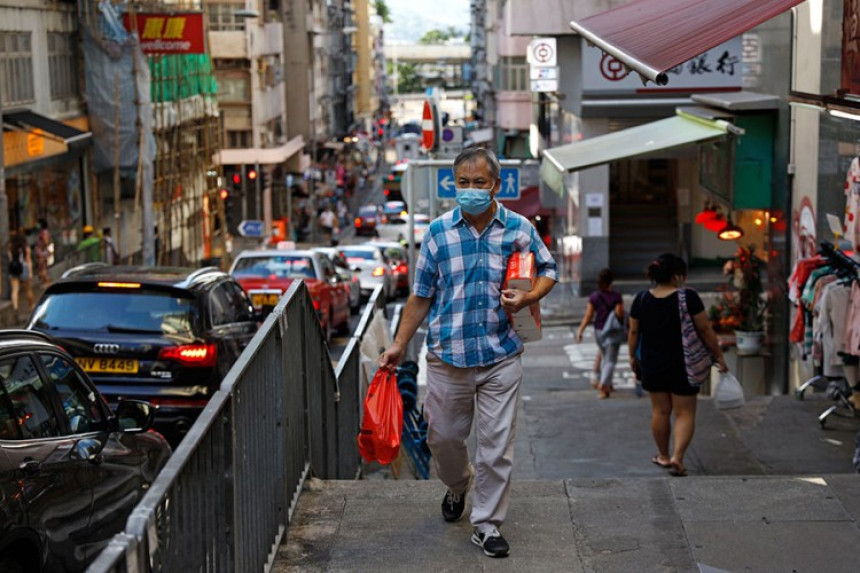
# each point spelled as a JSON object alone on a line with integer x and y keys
{"x": 168, "y": 33}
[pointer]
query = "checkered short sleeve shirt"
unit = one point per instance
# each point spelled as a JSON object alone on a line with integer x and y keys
{"x": 462, "y": 272}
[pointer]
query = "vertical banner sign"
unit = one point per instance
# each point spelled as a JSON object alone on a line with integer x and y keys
{"x": 851, "y": 46}
{"x": 169, "y": 33}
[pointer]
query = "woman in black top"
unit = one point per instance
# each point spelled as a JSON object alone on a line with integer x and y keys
{"x": 657, "y": 357}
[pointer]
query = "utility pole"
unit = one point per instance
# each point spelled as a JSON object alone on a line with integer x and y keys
{"x": 4, "y": 212}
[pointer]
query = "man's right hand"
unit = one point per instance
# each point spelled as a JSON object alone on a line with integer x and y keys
{"x": 391, "y": 358}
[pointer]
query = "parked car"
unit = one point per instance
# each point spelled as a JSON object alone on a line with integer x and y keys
{"x": 367, "y": 219}
{"x": 164, "y": 334}
{"x": 399, "y": 261}
{"x": 348, "y": 276}
{"x": 396, "y": 228}
{"x": 374, "y": 269}
{"x": 267, "y": 274}
{"x": 71, "y": 469}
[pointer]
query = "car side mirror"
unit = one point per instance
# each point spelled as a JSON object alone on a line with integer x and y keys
{"x": 134, "y": 416}
{"x": 355, "y": 269}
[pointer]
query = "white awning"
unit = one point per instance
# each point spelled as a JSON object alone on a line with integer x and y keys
{"x": 261, "y": 156}
{"x": 668, "y": 133}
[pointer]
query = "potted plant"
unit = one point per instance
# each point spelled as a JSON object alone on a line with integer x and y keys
{"x": 750, "y": 309}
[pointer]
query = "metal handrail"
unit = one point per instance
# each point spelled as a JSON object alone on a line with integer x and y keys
{"x": 226, "y": 496}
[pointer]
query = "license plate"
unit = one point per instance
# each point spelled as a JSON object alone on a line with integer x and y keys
{"x": 265, "y": 299}
{"x": 109, "y": 365}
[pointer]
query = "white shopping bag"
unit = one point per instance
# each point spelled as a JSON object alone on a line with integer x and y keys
{"x": 728, "y": 393}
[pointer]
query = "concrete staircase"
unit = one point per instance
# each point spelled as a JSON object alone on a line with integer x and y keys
{"x": 637, "y": 234}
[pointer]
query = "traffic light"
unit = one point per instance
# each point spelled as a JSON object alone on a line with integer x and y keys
{"x": 224, "y": 194}
{"x": 264, "y": 179}
{"x": 251, "y": 174}
{"x": 229, "y": 207}
{"x": 237, "y": 181}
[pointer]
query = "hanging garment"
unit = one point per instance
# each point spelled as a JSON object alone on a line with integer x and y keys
{"x": 850, "y": 224}
{"x": 832, "y": 310}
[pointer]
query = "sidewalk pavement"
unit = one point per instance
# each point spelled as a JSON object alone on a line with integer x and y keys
{"x": 768, "y": 490}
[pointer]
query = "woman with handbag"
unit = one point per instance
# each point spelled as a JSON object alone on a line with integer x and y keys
{"x": 606, "y": 308}
{"x": 663, "y": 357}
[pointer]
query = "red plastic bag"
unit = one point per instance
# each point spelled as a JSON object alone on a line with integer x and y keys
{"x": 382, "y": 424}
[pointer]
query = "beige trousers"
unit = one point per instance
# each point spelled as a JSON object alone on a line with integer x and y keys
{"x": 454, "y": 395}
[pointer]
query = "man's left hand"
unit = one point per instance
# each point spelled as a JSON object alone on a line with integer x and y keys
{"x": 513, "y": 300}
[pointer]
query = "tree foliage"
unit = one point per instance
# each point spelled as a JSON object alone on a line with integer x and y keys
{"x": 382, "y": 11}
{"x": 437, "y": 36}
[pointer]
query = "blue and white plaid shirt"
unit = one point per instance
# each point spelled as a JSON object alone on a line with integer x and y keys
{"x": 463, "y": 272}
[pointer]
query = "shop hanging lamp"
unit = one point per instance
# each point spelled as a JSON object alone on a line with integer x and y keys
{"x": 709, "y": 212}
{"x": 715, "y": 224}
{"x": 730, "y": 232}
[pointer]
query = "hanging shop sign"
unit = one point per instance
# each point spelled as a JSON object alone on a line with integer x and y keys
{"x": 720, "y": 68}
{"x": 168, "y": 33}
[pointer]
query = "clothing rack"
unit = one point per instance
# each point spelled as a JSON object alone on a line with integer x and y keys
{"x": 843, "y": 265}
{"x": 847, "y": 269}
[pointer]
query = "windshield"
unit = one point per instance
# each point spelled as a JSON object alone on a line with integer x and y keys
{"x": 282, "y": 267}
{"x": 356, "y": 254}
{"x": 126, "y": 311}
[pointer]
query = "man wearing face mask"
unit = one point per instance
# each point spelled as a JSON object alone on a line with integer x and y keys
{"x": 474, "y": 356}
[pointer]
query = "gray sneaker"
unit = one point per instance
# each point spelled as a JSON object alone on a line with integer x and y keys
{"x": 492, "y": 542}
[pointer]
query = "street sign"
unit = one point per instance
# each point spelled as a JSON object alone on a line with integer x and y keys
{"x": 251, "y": 228}
{"x": 542, "y": 52}
{"x": 544, "y": 85}
{"x": 452, "y": 134}
{"x": 429, "y": 138}
{"x": 510, "y": 188}
{"x": 445, "y": 185}
{"x": 540, "y": 73}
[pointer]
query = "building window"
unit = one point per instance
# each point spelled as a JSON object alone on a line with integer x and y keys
{"x": 512, "y": 74}
{"x": 16, "y": 68}
{"x": 62, "y": 61}
{"x": 234, "y": 87}
{"x": 222, "y": 17}
{"x": 239, "y": 139}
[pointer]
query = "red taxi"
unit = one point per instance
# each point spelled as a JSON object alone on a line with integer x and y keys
{"x": 267, "y": 274}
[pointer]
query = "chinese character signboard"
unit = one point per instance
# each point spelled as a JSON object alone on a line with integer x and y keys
{"x": 718, "y": 68}
{"x": 851, "y": 47}
{"x": 169, "y": 33}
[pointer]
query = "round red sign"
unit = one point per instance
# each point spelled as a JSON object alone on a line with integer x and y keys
{"x": 428, "y": 127}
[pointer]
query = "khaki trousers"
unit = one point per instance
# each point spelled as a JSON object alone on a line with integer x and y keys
{"x": 454, "y": 395}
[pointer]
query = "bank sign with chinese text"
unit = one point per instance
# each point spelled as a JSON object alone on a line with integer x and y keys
{"x": 718, "y": 68}
{"x": 169, "y": 33}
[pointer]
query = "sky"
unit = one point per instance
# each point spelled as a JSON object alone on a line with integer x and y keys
{"x": 412, "y": 18}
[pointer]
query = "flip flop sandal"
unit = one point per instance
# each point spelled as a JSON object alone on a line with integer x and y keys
{"x": 655, "y": 460}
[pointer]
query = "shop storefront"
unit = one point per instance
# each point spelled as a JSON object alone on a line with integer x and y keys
{"x": 45, "y": 175}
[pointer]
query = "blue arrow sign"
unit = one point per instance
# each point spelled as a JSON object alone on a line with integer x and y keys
{"x": 251, "y": 228}
{"x": 509, "y": 189}
{"x": 445, "y": 185}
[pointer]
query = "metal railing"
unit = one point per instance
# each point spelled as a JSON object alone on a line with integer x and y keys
{"x": 225, "y": 498}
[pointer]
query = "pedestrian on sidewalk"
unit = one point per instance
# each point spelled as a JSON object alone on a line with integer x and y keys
{"x": 657, "y": 357}
{"x": 109, "y": 253}
{"x": 601, "y": 303}
{"x": 20, "y": 269}
{"x": 42, "y": 252}
{"x": 474, "y": 356}
{"x": 88, "y": 247}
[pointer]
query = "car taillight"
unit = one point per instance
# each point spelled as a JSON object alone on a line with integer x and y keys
{"x": 357, "y": 222}
{"x": 386, "y": 192}
{"x": 378, "y": 271}
{"x": 402, "y": 269}
{"x": 316, "y": 305}
{"x": 391, "y": 177}
{"x": 201, "y": 355}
